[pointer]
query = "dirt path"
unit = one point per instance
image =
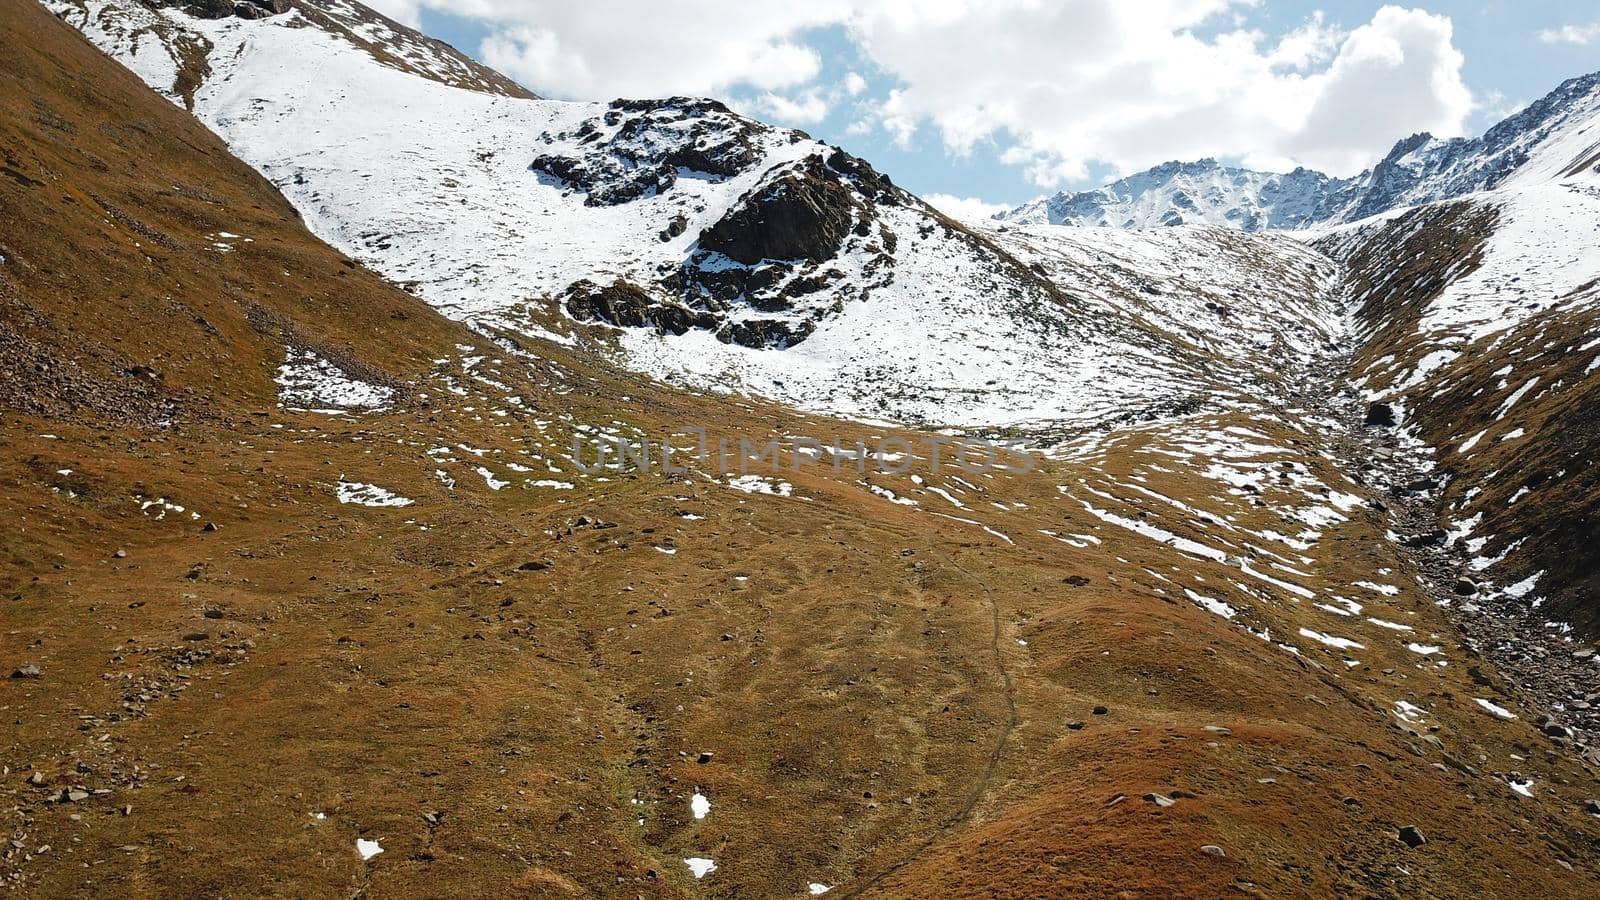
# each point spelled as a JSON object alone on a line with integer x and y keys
{"x": 985, "y": 781}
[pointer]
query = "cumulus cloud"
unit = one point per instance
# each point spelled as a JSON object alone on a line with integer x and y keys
{"x": 1572, "y": 34}
{"x": 1058, "y": 88}
{"x": 630, "y": 48}
{"x": 807, "y": 109}
{"x": 1066, "y": 85}
{"x": 965, "y": 207}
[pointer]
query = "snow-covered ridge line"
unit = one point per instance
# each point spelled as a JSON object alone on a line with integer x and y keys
{"x": 1554, "y": 139}
{"x": 157, "y": 39}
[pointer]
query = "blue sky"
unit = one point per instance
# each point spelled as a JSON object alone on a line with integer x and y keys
{"x": 934, "y": 98}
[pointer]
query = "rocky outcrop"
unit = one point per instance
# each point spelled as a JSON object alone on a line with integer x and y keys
{"x": 222, "y": 9}
{"x": 638, "y": 147}
{"x": 629, "y": 306}
{"x": 777, "y": 250}
{"x": 804, "y": 213}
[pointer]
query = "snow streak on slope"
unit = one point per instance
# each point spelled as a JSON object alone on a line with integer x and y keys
{"x": 745, "y": 258}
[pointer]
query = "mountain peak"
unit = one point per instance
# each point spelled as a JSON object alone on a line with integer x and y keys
{"x": 1542, "y": 141}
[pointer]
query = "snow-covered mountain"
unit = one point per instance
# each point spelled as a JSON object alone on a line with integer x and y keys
{"x": 1203, "y": 192}
{"x": 1558, "y": 135}
{"x": 706, "y": 248}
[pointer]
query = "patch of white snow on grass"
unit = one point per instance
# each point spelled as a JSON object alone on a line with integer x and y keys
{"x": 359, "y": 494}
{"x": 699, "y": 866}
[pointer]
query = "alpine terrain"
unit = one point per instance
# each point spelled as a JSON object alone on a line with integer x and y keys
{"x": 1279, "y": 573}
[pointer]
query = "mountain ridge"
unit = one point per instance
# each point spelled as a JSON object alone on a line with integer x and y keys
{"x": 1418, "y": 169}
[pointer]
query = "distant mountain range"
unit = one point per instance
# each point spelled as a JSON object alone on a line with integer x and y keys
{"x": 1532, "y": 144}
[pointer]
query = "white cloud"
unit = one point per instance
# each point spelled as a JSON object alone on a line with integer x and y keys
{"x": 406, "y": 12}
{"x": 1572, "y": 34}
{"x": 964, "y": 207}
{"x": 603, "y": 49}
{"x": 807, "y": 109}
{"x": 1057, "y": 87}
{"x": 1065, "y": 85}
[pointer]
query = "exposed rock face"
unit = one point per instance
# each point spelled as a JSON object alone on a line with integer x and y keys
{"x": 637, "y": 149}
{"x": 222, "y": 9}
{"x": 630, "y": 306}
{"x": 774, "y": 250}
{"x": 208, "y": 9}
{"x": 803, "y": 214}
{"x": 1380, "y": 415}
{"x": 765, "y": 272}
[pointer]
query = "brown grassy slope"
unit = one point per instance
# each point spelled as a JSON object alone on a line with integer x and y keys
{"x": 95, "y": 171}
{"x": 893, "y": 700}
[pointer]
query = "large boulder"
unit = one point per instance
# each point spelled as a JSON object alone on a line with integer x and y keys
{"x": 210, "y": 9}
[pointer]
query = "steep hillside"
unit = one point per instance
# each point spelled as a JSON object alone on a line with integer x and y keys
{"x": 1557, "y": 137}
{"x": 333, "y": 611}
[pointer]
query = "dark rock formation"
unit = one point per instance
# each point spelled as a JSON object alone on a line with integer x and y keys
{"x": 630, "y": 306}
{"x": 803, "y": 214}
{"x": 639, "y": 147}
{"x": 1380, "y": 415}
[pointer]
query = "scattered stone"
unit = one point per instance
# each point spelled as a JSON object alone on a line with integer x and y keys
{"x": 1213, "y": 850}
{"x": 75, "y": 795}
{"x": 37, "y": 779}
{"x": 537, "y": 565}
{"x": 1411, "y": 837}
{"x": 1466, "y": 587}
{"x": 1380, "y": 415}
{"x": 1592, "y": 807}
{"x": 1160, "y": 799}
{"x": 28, "y": 671}
{"x": 121, "y": 554}
{"x": 209, "y": 527}
{"x": 1100, "y": 710}
{"x": 1076, "y": 725}
{"x": 705, "y": 757}
{"x": 197, "y": 636}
